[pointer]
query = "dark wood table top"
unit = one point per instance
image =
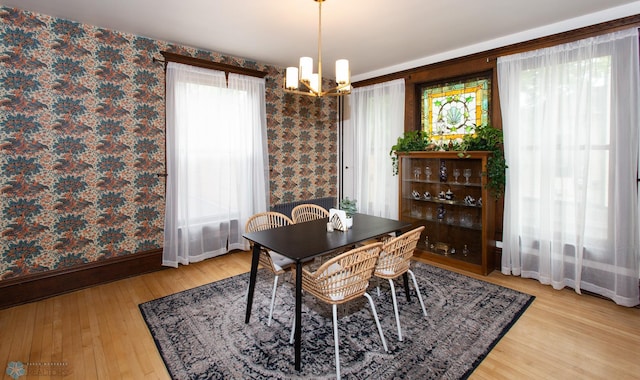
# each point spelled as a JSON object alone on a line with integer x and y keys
{"x": 307, "y": 240}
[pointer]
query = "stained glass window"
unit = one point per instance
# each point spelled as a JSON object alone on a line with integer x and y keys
{"x": 452, "y": 109}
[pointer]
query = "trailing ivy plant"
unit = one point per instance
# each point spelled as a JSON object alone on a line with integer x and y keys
{"x": 411, "y": 141}
{"x": 485, "y": 138}
{"x": 490, "y": 139}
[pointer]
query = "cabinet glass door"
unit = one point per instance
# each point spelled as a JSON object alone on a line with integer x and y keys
{"x": 445, "y": 195}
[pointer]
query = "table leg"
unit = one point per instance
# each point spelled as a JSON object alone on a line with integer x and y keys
{"x": 252, "y": 280}
{"x": 405, "y": 278}
{"x": 298, "y": 327}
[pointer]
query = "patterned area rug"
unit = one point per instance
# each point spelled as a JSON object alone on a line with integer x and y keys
{"x": 201, "y": 333}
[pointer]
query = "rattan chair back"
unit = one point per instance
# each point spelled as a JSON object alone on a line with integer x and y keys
{"x": 307, "y": 212}
{"x": 343, "y": 277}
{"x": 265, "y": 221}
{"x": 396, "y": 254}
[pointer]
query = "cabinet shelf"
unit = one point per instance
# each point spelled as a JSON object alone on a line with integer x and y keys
{"x": 420, "y": 219}
{"x": 458, "y": 184}
{"x": 452, "y": 226}
{"x": 444, "y": 201}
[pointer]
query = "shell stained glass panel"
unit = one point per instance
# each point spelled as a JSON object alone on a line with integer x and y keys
{"x": 450, "y": 110}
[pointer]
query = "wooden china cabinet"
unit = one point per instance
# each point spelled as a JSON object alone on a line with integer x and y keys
{"x": 447, "y": 194}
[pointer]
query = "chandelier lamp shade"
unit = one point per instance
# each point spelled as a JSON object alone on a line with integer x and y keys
{"x": 302, "y": 80}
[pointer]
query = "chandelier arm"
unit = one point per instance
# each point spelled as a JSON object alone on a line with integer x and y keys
{"x": 307, "y": 85}
{"x": 335, "y": 91}
{"x": 306, "y": 93}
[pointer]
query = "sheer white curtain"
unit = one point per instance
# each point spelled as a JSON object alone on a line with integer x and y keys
{"x": 217, "y": 161}
{"x": 570, "y": 120}
{"x": 377, "y": 113}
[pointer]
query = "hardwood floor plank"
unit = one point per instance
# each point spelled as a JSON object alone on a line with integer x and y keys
{"x": 136, "y": 292}
{"x": 88, "y": 355}
{"x": 118, "y": 349}
{"x": 41, "y": 339}
{"x": 22, "y": 342}
{"x": 100, "y": 332}
{"x": 8, "y": 321}
{"x": 101, "y": 338}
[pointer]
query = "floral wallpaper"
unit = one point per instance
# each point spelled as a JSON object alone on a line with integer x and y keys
{"x": 82, "y": 142}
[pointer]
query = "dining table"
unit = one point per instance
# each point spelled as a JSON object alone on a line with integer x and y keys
{"x": 302, "y": 242}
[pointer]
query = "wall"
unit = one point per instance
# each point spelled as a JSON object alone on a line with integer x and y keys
{"x": 82, "y": 141}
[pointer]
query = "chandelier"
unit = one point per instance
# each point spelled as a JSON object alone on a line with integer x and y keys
{"x": 304, "y": 81}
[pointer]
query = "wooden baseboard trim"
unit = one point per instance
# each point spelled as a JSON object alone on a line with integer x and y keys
{"x": 37, "y": 286}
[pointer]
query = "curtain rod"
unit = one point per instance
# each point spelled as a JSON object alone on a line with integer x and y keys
{"x": 178, "y": 58}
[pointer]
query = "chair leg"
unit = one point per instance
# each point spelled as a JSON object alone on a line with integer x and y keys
{"x": 375, "y": 316}
{"x": 273, "y": 299}
{"x": 415, "y": 284}
{"x": 395, "y": 309}
{"x": 335, "y": 338}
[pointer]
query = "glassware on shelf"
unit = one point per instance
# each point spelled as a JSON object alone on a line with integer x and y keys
{"x": 428, "y": 214}
{"x": 441, "y": 212}
{"x": 466, "y": 220}
{"x": 417, "y": 172}
{"x": 427, "y": 172}
{"x": 465, "y": 251}
{"x": 443, "y": 171}
{"x": 466, "y": 174}
{"x": 456, "y": 174}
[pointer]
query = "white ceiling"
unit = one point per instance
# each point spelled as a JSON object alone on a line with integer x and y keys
{"x": 378, "y": 37}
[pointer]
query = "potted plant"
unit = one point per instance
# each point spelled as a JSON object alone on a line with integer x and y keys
{"x": 484, "y": 138}
{"x": 349, "y": 207}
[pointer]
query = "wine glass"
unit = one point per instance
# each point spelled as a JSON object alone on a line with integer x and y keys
{"x": 456, "y": 174}
{"x": 427, "y": 172}
{"x": 467, "y": 174}
{"x": 416, "y": 173}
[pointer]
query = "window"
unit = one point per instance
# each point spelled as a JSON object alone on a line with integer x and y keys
{"x": 217, "y": 162}
{"x": 570, "y": 121}
{"x": 451, "y": 109}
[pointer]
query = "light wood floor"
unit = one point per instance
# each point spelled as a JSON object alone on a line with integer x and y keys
{"x": 98, "y": 333}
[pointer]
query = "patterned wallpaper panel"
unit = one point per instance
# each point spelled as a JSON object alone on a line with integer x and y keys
{"x": 82, "y": 141}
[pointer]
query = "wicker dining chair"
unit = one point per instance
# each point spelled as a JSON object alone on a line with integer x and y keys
{"x": 273, "y": 261}
{"x": 394, "y": 261}
{"x": 340, "y": 280}
{"x": 307, "y": 212}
